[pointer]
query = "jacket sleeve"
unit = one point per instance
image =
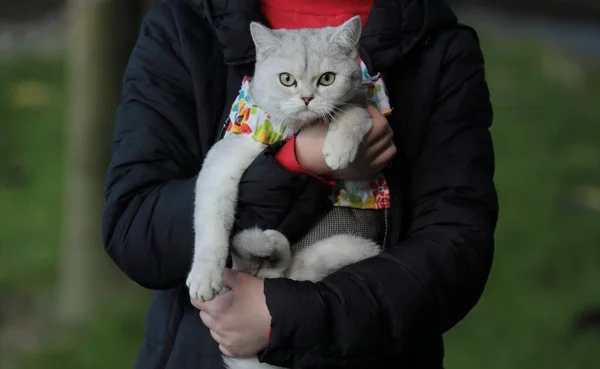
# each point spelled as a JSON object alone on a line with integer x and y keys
{"x": 424, "y": 285}
{"x": 147, "y": 220}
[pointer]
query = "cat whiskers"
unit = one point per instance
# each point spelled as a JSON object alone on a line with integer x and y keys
{"x": 329, "y": 117}
{"x": 332, "y": 113}
{"x": 352, "y": 104}
{"x": 334, "y": 116}
{"x": 337, "y": 111}
{"x": 287, "y": 118}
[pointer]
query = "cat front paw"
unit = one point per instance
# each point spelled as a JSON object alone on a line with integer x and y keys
{"x": 339, "y": 152}
{"x": 205, "y": 282}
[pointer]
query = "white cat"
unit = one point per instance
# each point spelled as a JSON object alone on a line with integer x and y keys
{"x": 301, "y": 76}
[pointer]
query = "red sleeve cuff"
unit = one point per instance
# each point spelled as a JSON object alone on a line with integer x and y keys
{"x": 287, "y": 158}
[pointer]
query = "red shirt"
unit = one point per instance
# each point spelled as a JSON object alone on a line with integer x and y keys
{"x": 293, "y": 14}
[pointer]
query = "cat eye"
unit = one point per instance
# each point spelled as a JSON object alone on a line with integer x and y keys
{"x": 326, "y": 79}
{"x": 287, "y": 79}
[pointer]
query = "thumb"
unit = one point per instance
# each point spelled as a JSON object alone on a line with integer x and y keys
{"x": 230, "y": 278}
{"x": 376, "y": 115}
{"x": 373, "y": 110}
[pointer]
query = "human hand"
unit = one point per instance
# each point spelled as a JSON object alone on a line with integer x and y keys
{"x": 239, "y": 319}
{"x": 376, "y": 151}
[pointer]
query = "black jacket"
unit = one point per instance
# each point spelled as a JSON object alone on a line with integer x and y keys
{"x": 389, "y": 311}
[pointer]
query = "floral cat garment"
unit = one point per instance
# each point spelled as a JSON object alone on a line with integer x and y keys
{"x": 248, "y": 118}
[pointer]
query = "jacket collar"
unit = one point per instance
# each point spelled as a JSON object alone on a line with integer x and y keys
{"x": 394, "y": 28}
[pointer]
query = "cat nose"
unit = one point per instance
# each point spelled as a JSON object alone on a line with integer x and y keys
{"x": 306, "y": 100}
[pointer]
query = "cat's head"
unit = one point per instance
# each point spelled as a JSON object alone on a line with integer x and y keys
{"x": 302, "y": 75}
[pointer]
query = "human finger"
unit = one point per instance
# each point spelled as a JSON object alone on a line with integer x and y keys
{"x": 380, "y": 126}
{"x": 378, "y": 147}
{"x": 208, "y": 320}
{"x": 215, "y": 336}
{"x": 225, "y": 351}
{"x": 215, "y": 306}
{"x": 384, "y": 157}
{"x": 198, "y": 304}
{"x": 230, "y": 278}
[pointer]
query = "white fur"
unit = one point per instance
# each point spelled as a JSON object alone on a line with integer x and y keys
{"x": 214, "y": 211}
{"x": 344, "y": 137}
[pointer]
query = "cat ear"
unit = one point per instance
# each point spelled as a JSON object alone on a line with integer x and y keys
{"x": 348, "y": 34}
{"x": 265, "y": 41}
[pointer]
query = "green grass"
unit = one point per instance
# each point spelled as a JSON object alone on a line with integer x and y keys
{"x": 546, "y": 270}
{"x": 32, "y": 140}
{"x": 547, "y": 261}
{"x": 32, "y": 107}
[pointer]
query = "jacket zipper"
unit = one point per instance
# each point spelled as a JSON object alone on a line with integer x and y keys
{"x": 222, "y": 130}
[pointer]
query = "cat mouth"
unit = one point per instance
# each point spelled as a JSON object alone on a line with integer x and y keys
{"x": 306, "y": 113}
{"x": 303, "y": 117}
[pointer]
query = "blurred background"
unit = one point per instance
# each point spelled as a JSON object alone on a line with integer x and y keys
{"x": 63, "y": 304}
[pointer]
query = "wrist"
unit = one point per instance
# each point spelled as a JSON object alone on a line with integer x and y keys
{"x": 287, "y": 157}
{"x": 309, "y": 155}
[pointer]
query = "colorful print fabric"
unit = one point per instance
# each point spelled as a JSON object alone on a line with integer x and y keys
{"x": 248, "y": 118}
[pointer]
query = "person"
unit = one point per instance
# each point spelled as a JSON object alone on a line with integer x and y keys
{"x": 435, "y": 149}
